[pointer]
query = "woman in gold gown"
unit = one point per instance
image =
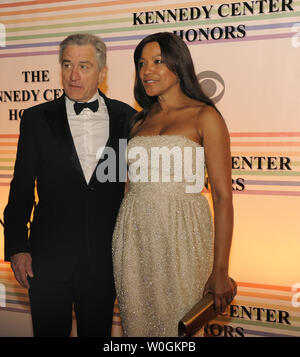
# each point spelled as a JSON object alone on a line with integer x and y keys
{"x": 168, "y": 251}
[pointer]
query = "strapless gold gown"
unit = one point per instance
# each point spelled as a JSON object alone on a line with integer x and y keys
{"x": 163, "y": 239}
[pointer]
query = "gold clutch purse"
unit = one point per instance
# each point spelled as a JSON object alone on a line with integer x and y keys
{"x": 199, "y": 315}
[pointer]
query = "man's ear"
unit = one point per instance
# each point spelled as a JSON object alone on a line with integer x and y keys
{"x": 102, "y": 74}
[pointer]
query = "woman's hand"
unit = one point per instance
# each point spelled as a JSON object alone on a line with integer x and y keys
{"x": 223, "y": 289}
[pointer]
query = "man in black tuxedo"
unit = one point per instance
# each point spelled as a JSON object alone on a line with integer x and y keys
{"x": 66, "y": 258}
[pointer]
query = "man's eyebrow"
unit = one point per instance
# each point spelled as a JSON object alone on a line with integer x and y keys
{"x": 67, "y": 60}
{"x": 85, "y": 62}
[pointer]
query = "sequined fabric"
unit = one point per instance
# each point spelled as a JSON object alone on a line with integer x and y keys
{"x": 162, "y": 244}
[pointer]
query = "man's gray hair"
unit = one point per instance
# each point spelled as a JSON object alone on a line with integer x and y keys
{"x": 81, "y": 39}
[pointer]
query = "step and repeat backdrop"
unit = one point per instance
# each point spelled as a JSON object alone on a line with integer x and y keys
{"x": 246, "y": 55}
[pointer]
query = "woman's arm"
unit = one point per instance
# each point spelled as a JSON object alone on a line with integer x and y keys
{"x": 216, "y": 142}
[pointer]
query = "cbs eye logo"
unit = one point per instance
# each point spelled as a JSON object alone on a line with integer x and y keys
{"x": 212, "y": 85}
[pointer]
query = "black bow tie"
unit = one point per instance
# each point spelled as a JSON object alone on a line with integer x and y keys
{"x": 78, "y": 107}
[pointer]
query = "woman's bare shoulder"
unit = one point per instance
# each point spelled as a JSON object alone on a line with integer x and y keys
{"x": 135, "y": 127}
{"x": 210, "y": 120}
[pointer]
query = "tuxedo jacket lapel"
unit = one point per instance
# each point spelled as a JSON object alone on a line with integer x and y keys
{"x": 58, "y": 123}
{"x": 116, "y": 125}
{"x": 116, "y": 121}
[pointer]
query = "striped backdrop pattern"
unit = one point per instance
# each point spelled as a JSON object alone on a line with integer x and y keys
{"x": 34, "y": 28}
{"x": 257, "y": 181}
{"x": 261, "y": 179}
{"x": 244, "y": 316}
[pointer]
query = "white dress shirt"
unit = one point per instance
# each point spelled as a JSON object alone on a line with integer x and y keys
{"x": 90, "y": 132}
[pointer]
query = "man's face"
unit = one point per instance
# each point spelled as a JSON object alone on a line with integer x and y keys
{"x": 80, "y": 72}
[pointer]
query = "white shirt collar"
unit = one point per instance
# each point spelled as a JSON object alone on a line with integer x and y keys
{"x": 70, "y": 102}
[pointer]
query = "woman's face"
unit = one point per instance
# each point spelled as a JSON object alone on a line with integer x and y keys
{"x": 156, "y": 77}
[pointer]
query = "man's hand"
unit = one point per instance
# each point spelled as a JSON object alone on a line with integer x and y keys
{"x": 21, "y": 264}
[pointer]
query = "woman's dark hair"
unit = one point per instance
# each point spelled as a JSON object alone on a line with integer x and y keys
{"x": 176, "y": 55}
